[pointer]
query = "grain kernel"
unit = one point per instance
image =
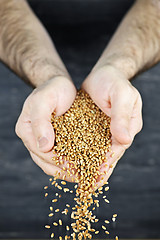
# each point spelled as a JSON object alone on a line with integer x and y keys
{"x": 103, "y": 227}
{"x": 67, "y": 228}
{"x": 50, "y": 215}
{"x": 55, "y": 224}
{"x": 106, "y": 221}
{"x": 60, "y": 222}
{"x": 106, "y": 189}
{"x": 47, "y": 226}
{"x": 52, "y": 235}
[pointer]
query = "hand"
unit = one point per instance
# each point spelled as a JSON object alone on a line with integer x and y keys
{"x": 116, "y": 97}
{"x": 34, "y": 124}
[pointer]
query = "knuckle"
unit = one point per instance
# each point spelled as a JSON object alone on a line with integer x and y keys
{"x": 140, "y": 125}
{"x": 34, "y": 98}
{"x": 39, "y": 93}
{"x": 140, "y": 100}
{"x": 137, "y": 94}
{"x": 126, "y": 146}
{"x": 17, "y": 129}
{"x": 45, "y": 170}
{"x": 36, "y": 123}
{"x": 28, "y": 103}
{"x": 27, "y": 145}
{"x": 133, "y": 90}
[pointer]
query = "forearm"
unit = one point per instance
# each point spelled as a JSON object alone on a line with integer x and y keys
{"x": 25, "y": 45}
{"x": 136, "y": 44}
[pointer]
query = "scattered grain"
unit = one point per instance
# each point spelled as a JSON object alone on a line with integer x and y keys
{"x": 47, "y": 226}
{"x": 55, "y": 224}
{"x": 67, "y": 228}
{"x": 106, "y": 189}
{"x": 103, "y": 227}
{"x": 50, "y": 215}
{"x": 52, "y": 235}
{"x": 60, "y": 222}
{"x": 106, "y": 200}
{"x": 106, "y": 221}
{"x": 66, "y": 189}
{"x": 63, "y": 182}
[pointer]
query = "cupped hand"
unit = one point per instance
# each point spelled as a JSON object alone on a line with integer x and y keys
{"x": 34, "y": 124}
{"x": 116, "y": 97}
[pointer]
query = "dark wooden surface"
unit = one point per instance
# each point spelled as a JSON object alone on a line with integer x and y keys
{"x": 135, "y": 185}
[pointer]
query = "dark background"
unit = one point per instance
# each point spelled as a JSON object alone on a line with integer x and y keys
{"x": 80, "y": 30}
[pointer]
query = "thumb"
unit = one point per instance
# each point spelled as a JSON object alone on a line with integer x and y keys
{"x": 42, "y": 127}
{"x": 121, "y": 112}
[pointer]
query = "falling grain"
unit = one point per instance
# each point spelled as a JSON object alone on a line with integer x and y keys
{"x": 52, "y": 235}
{"x": 103, "y": 227}
{"x": 55, "y": 224}
{"x": 50, "y": 215}
{"x": 47, "y": 226}
{"x": 82, "y": 137}
{"x": 63, "y": 182}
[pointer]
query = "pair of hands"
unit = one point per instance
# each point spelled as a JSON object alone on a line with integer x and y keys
{"x": 108, "y": 88}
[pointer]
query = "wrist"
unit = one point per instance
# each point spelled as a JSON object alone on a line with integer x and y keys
{"x": 125, "y": 65}
{"x": 38, "y": 71}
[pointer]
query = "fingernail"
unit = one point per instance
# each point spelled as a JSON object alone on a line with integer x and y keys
{"x": 42, "y": 142}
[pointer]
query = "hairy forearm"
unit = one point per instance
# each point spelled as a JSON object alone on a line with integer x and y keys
{"x": 25, "y": 45}
{"x": 136, "y": 44}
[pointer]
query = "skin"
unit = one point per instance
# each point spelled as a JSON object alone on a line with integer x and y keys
{"x": 31, "y": 54}
{"x": 134, "y": 47}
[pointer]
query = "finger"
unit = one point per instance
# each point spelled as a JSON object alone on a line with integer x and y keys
{"x": 121, "y": 112}
{"x": 24, "y": 131}
{"x": 41, "y": 125}
{"x": 117, "y": 151}
{"x": 52, "y": 170}
{"x": 26, "y": 134}
{"x": 106, "y": 176}
{"x": 113, "y": 157}
{"x": 136, "y": 122}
